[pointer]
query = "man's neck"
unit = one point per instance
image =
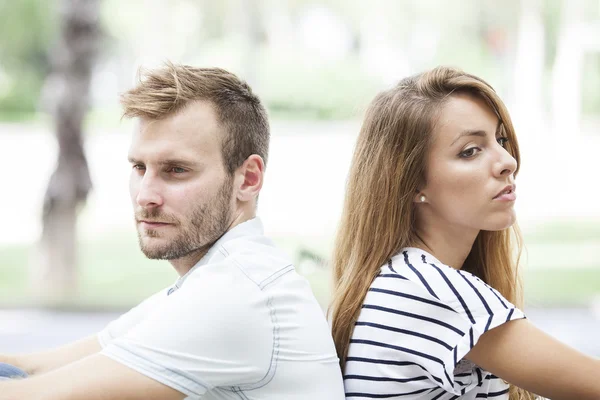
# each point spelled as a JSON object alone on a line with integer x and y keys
{"x": 184, "y": 264}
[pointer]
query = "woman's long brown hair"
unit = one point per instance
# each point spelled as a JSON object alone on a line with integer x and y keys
{"x": 387, "y": 170}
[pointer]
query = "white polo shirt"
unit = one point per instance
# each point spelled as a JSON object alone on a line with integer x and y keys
{"x": 418, "y": 320}
{"x": 241, "y": 324}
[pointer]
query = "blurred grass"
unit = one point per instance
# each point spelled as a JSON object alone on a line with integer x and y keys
{"x": 563, "y": 231}
{"x": 115, "y": 274}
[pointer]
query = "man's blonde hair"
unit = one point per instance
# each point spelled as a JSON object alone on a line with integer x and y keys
{"x": 167, "y": 90}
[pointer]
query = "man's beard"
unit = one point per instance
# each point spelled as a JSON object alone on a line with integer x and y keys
{"x": 207, "y": 223}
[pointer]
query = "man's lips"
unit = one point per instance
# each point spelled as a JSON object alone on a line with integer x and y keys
{"x": 153, "y": 224}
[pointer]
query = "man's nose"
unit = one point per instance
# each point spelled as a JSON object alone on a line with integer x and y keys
{"x": 149, "y": 192}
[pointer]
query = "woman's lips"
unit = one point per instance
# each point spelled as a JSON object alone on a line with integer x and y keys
{"x": 511, "y": 196}
{"x": 507, "y": 194}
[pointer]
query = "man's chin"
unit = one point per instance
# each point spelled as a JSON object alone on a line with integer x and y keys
{"x": 152, "y": 248}
{"x": 155, "y": 254}
{"x": 166, "y": 251}
{"x": 152, "y": 256}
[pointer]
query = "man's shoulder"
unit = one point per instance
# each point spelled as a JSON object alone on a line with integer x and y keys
{"x": 257, "y": 258}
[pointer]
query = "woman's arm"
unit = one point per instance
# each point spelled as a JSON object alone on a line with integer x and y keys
{"x": 523, "y": 355}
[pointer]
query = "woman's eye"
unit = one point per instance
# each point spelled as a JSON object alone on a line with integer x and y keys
{"x": 470, "y": 152}
{"x": 502, "y": 141}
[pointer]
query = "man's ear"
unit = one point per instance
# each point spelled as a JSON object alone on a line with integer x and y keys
{"x": 250, "y": 175}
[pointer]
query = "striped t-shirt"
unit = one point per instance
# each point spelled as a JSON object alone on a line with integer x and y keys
{"x": 419, "y": 319}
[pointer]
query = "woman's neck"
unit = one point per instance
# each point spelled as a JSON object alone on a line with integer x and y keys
{"x": 450, "y": 246}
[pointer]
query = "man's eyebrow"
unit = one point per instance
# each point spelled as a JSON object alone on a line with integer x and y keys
{"x": 176, "y": 161}
{"x": 169, "y": 161}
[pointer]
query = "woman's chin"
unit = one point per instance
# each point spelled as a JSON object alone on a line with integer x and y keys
{"x": 501, "y": 223}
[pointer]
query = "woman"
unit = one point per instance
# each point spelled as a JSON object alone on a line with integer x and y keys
{"x": 427, "y": 295}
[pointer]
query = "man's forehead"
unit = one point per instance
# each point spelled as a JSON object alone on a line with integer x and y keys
{"x": 160, "y": 149}
{"x": 197, "y": 118}
{"x": 163, "y": 156}
{"x": 167, "y": 131}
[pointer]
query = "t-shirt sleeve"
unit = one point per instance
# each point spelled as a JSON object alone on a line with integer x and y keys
{"x": 125, "y": 322}
{"x": 210, "y": 333}
{"x": 416, "y": 325}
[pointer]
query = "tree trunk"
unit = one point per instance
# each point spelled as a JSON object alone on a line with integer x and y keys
{"x": 567, "y": 74}
{"x": 54, "y": 277}
{"x": 251, "y": 30}
{"x": 528, "y": 92}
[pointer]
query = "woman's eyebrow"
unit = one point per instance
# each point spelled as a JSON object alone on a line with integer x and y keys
{"x": 469, "y": 132}
{"x": 476, "y": 132}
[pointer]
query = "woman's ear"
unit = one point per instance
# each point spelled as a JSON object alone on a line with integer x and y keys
{"x": 420, "y": 198}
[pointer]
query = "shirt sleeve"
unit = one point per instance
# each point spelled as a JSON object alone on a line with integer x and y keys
{"x": 210, "y": 333}
{"x": 125, "y": 322}
{"x": 417, "y": 325}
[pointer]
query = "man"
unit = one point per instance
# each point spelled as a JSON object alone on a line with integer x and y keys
{"x": 239, "y": 323}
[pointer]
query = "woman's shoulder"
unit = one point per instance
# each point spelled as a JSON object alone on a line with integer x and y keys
{"x": 440, "y": 282}
{"x": 423, "y": 269}
{"x": 412, "y": 257}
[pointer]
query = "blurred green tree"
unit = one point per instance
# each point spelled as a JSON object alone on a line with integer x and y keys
{"x": 27, "y": 29}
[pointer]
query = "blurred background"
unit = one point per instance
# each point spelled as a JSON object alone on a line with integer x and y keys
{"x": 69, "y": 259}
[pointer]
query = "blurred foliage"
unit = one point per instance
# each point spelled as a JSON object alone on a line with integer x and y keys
{"x": 295, "y": 82}
{"x": 335, "y": 91}
{"x": 27, "y": 29}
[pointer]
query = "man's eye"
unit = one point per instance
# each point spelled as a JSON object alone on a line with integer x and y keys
{"x": 177, "y": 170}
{"x": 470, "y": 152}
{"x": 139, "y": 167}
{"x": 502, "y": 141}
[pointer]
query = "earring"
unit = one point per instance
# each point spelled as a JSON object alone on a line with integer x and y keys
{"x": 422, "y": 198}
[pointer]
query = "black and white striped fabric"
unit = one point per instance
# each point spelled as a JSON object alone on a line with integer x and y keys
{"x": 419, "y": 319}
